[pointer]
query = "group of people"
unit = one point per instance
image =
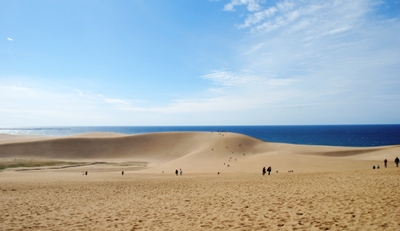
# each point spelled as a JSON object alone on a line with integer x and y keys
{"x": 396, "y": 161}
{"x": 264, "y": 171}
{"x": 180, "y": 171}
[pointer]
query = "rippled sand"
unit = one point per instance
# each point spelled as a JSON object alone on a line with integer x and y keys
{"x": 349, "y": 200}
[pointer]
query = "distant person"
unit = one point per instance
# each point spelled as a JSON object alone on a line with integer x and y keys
{"x": 385, "y": 162}
{"x": 397, "y": 161}
{"x": 378, "y": 167}
{"x": 86, "y": 173}
{"x": 176, "y": 172}
{"x": 122, "y": 172}
{"x": 269, "y": 170}
{"x": 373, "y": 167}
{"x": 264, "y": 171}
{"x": 180, "y": 171}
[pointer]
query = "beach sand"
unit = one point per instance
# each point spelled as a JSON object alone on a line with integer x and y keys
{"x": 330, "y": 188}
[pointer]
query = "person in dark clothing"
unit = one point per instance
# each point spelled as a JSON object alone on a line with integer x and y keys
{"x": 269, "y": 170}
{"x": 397, "y": 161}
{"x": 264, "y": 171}
{"x": 385, "y": 162}
{"x": 176, "y": 172}
{"x": 122, "y": 172}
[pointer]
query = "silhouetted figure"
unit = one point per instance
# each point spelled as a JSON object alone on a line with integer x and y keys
{"x": 122, "y": 172}
{"x": 264, "y": 171}
{"x": 180, "y": 171}
{"x": 86, "y": 173}
{"x": 378, "y": 167}
{"x": 269, "y": 170}
{"x": 373, "y": 167}
{"x": 385, "y": 161}
{"x": 396, "y": 161}
{"x": 176, "y": 172}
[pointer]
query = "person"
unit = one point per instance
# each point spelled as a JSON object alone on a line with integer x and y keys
{"x": 385, "y": 161}
{"x": 373, "y": 167}
{"x": 180, "y": 171}
{"x": 122, "y": 172}
{"x": 397, "y": 161}
{"x": 269, "y": 170}
{"x": 378, "y": 167}
{"x": 264, "y": 171}
{"x": 176, "y": 171}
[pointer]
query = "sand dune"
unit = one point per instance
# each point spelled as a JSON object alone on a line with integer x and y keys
{"x": 195, "y": 152}
{"x": 331, "y": 188}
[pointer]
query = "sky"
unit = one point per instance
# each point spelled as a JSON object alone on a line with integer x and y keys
{"x": 199, "y": 62}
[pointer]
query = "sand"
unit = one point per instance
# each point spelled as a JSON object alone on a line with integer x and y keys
{"x": 330, "y": 188}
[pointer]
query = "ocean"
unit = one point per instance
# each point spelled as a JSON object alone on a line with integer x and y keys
{"x": 334, "y": 135}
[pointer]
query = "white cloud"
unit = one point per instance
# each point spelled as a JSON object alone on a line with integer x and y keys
{"x": 333, "y": 55}
{"x": 251, "y": 5}
{"x": 329, "y": 16}
{"x": 10, "y": 39}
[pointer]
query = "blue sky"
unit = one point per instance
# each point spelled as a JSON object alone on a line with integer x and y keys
{"x": 199, "y": 62}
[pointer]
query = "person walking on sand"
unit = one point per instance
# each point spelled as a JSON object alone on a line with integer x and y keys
{"x": 122, "y": 172}
{"x": 176, "y": 171}
{"x": 397, "y": 161}
{"x": 385, "y": 161}
{"x": 264, "y": 171}
{"x": 269, "y": 170}
{"x": 180, "y": 170}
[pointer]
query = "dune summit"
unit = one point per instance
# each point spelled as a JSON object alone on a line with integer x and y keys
{"x": 331, "y": 188}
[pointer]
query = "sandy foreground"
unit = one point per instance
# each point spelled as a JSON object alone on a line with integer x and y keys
{"x": 330, "y": 188}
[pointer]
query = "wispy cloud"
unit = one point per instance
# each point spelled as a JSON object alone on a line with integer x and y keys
{"x": 252, "y": 5}
{"x": 325, "y": 17}
{"x": 10, "y": 39}
{"x": 324, "y": 53}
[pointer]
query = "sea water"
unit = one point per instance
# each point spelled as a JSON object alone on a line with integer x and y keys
{"x": 335, "y": 135}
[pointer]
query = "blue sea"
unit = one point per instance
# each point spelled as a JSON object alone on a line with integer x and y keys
{"x": 335, "y": 135}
